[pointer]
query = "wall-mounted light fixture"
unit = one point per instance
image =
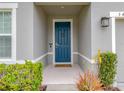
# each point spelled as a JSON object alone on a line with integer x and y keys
{"x": 105, "y": 21}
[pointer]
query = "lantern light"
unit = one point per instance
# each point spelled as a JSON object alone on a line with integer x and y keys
{"x": 105, "y": 22}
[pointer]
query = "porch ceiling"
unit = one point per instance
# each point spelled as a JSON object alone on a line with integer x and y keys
{"x": 62, "y": 9}
{"x": 62, "y": 3}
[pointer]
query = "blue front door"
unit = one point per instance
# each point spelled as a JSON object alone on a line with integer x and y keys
{"x": 62, "y": 42}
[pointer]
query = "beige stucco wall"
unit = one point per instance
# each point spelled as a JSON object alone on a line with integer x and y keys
{"x": 75, "y": 34}
{"x": 85, "y": 38}
{"x": 40, "y": 33}
{"x": 24, "y": 33}
{"x": 85, "y": 31}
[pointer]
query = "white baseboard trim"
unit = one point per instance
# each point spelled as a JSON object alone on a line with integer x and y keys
{"x": 75, "y": 53}
{"x": 41, "y": 57}
{"x": 37, "y": 59}
{"x": 50, "y": 53}
{"x": 46, "y": 54}
{"x": 86, "y": 58}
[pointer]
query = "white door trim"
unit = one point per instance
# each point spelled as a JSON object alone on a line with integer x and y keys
{"x": 114, "y": 16}
{"x": 63, "y": 20}
{"x": 113, "y": 36}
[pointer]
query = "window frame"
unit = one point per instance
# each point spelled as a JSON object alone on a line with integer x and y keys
{"x": 11, "y": 7}
{"x": 7, "y": 34}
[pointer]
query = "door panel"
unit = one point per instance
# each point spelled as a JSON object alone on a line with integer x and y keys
{"x": 62, "y": 42}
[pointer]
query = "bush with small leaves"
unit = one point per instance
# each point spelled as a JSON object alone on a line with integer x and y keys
{"x": 107, "y": 68}
{"x": 21, "y": 77}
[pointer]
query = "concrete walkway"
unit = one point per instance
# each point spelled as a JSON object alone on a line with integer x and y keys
{"x": 61, "y": 87}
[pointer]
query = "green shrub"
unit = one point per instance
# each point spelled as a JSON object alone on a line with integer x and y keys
{"x": 21, "y": 77}
{"x": 107, "y": 68}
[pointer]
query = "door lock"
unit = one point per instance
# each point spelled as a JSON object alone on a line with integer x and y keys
{"x": 50, "y": 44}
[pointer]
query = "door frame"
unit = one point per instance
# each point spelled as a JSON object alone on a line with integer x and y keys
{"x": 71, "y": 24}
{"x": 115, "y": 15}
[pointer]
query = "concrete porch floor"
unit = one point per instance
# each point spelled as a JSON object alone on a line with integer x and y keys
{"x": 61, "y": 78}
{"x": 61, "y": 75}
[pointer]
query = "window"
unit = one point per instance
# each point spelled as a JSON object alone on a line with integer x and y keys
{"x": 5, "y": 34}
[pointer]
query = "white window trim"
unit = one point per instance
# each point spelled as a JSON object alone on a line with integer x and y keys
{"x": 8, "y": 5}
{"x": 11, "y": 7}
{"x": 63, "y": 20}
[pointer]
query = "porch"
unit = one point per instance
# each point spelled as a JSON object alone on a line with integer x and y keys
{"x": 47, "y": 38}
{"x": 61, "y": 78}
{"x": 53, "y": 42}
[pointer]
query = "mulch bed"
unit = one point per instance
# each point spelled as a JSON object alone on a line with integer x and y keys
{"x": 112, "y": 89}
{"x": 43, "y": 87}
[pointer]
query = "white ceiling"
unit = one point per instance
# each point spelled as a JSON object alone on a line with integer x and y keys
{"x": 56, "y": 8}
{"x": 62, "y": 3}
{"x": 67, "y": 10}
